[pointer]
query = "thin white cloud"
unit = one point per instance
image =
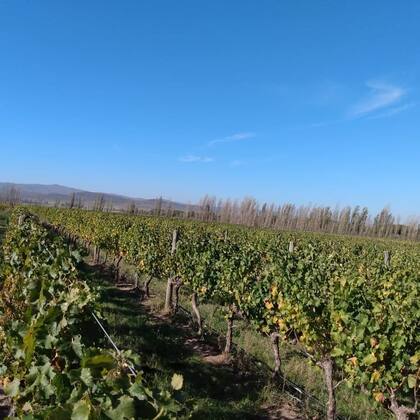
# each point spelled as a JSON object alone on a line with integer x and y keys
{"x": 380, "y": 103}
{"x": 382, "y": 95}
{"x": 234, "y": 137}
{"x": 393, "y": 111}
{"x": 195, "y": 159}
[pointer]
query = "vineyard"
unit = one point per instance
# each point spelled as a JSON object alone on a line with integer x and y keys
{"x": 351, "y": 305}
{"x": 55, "y": 364}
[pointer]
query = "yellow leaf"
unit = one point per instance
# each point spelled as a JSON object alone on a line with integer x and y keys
{"x": 269, "y": 305}
{"x": 379, "y": 397}
{"x": 375, "y": 376}
{"x": 353, "y": 360}
{"x": 177, "y": 381}
{"x": 414, "y": 359}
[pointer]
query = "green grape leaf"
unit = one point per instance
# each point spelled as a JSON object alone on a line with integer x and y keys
{"x": 12, "y": 388}
{"x": 99, "y": 361}
{"x": 124, "y": 410}
{"x": 81, "y": 410}
{"x": 137, "y": 390}
{"x": 412, "y": 381}
{"x": 370, "y": 359}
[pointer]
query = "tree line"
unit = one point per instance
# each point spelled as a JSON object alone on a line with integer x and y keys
{"x": 348, "y": 220}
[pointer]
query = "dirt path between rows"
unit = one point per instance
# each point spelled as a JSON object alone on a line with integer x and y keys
{"x": 232, "y": 376}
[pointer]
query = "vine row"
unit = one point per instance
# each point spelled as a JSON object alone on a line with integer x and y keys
{"x": 352, "y": 303}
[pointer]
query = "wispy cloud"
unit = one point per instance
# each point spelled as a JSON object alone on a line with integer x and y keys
{"x": 232, "y": 138}
{"x": 382, "y": 95}
{"x": 381, "y": 102}
{"x": 195, "y": 159}
{"x": 393, "y": 111}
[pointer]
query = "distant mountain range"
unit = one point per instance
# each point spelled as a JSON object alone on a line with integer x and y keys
{"x": 51, "y": 194}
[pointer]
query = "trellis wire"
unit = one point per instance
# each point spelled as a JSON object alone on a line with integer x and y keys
{"x": 130, "y": 368}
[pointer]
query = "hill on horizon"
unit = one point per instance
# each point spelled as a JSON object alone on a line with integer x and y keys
{"x": 53, "y": 193}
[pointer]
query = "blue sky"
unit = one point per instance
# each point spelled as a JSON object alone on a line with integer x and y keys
{"x": 300, "y": 101}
